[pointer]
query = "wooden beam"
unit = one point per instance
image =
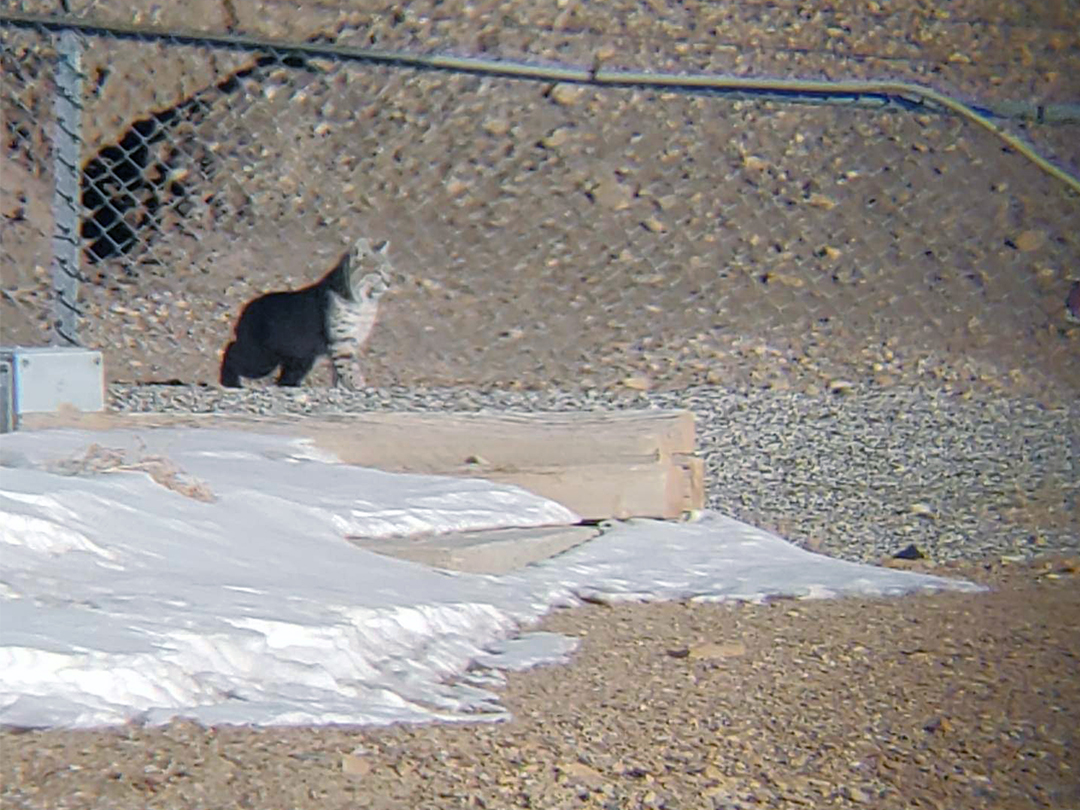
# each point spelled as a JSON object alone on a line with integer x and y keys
{"x": 601, "y": 465}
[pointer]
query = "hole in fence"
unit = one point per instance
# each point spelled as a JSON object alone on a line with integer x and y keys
{"x": 128, "y": 185}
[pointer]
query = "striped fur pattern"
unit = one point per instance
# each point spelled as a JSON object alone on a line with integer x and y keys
{"x": 350, "y": 319}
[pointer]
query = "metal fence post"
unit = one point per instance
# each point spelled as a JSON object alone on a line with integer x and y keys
{"x": 67, "y": 141}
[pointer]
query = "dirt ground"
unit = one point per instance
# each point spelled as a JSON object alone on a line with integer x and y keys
{"x": 939, "y": 701}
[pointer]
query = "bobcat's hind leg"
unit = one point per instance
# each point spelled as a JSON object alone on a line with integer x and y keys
{"x": 294, "y": 369}
{"x": 241, "y": 359}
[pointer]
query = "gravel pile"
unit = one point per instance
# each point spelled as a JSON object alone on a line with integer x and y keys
{"x": 861, "y": 473}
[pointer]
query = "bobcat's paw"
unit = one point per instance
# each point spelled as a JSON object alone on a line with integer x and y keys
{"x": 347, "y": 376}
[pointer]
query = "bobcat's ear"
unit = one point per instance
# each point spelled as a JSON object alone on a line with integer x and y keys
{"x": 344, "y": 261}
{"x": 382, "y": 247}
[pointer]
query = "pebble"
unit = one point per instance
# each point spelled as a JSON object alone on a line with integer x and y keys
{"x": 854, "y": 477}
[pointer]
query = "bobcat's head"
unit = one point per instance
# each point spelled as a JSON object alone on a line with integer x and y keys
{"x": 370, "y": 273}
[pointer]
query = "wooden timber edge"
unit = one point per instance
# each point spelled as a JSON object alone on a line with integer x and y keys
{"x": 601, "y": 465}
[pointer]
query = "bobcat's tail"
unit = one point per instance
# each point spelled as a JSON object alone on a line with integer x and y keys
{"x": 230, "y": 378}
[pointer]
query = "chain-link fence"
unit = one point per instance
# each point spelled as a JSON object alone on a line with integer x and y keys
{"x": 545, "y": 232}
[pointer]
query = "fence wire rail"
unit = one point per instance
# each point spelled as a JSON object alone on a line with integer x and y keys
{"x": 552, "y": 224}
{"x": 858, "y": 93}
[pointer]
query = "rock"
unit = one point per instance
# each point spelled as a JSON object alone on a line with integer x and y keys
{"x": 455, "y": 187}
{"x": 355, "y": 765}
{"x": 909, "y": 552}
{"x": 1072, "y": 303}
{"x": 496, "y": 126}
{"x": 581, "y": 772}
{"x": 857, "y": 794}
{"x": 610, "y": 194}
{"x": 921, "y": 510}
{"x": 711, "y": 650}
{"x": 637, "y": 383}
{"x": 938, "y": 725}
{"x": 556, "y": 137}
{"x": 821, "y": 201}
{"x": 566, "y": 94}
{"x": 1030, "y": 241}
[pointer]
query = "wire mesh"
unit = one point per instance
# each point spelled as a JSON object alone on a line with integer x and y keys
{"x": 555, "y": 234}
{"x": 27, "y": 59}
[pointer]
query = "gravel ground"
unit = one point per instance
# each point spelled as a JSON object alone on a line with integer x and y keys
{"x": 943, "y": 701}
{"x": 858, "y": 473}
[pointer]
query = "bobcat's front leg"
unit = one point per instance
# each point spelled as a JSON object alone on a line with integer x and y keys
{"x": 349, "y": 322}
{"x": 345, "y": 373}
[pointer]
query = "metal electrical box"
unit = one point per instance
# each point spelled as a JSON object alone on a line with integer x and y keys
{"x": 7, "y": 395}
{"x": 42, "y": 379}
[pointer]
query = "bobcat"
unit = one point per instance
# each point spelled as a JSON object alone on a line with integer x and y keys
{"x": 333, "y": 317}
